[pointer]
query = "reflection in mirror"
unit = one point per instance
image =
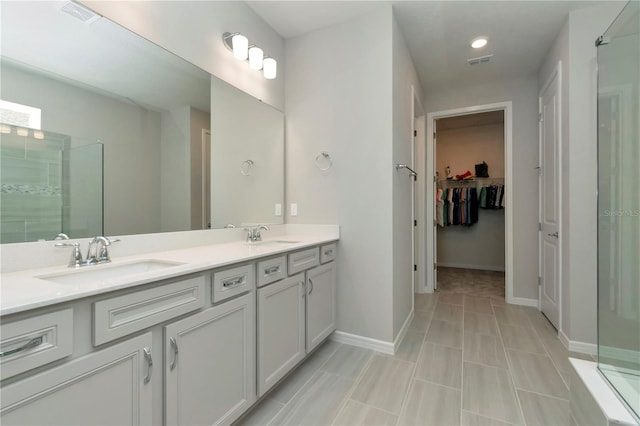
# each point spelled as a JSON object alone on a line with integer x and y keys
{"x": 40, "y": 198}
{"x": 149, "y": 108}
{"x": 247, "y": 159}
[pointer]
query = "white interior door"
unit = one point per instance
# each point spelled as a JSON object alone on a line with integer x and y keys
{"x": 433, "y": 203}
{"x": 549, "y": 134}
{"x": 206, "y": 179}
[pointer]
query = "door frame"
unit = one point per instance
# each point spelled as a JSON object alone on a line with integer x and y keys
{"x": 507, "y": 107}
{"x": 555, "y": 73}
{"x": 418, "y": 199}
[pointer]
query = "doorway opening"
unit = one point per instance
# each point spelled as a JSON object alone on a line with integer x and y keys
{"x": 471, "y": 223}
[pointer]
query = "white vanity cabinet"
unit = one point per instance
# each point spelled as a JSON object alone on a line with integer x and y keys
{"x": 110, "y": 386}
{"x": 210, "y": 364}
{"x": 281, "y": 330}
{"x": 294, "y": 315}
{"x": 321, "y": 304}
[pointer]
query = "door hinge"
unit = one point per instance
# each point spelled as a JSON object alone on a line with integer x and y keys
{"x": 435, "y": 267}
{"x": 539, "y": 281}
{"x": 434, "y": 179}
{"x": 539, "y": 226}
{"x": 415, "y": 133}
{"x": 540, "y": 118}
{"x": 415, "y": 222}
{"x": 415, "y": 267}
{"x": 434, "y": 223}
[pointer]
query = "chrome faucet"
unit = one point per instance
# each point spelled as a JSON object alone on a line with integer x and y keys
{"x": 97, "y": 252}
{"x": 253, "y": 234}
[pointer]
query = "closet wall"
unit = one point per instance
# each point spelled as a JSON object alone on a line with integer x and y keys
{"x": 461, "y": 143}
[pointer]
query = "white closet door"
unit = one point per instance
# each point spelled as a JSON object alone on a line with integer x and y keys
{"x": 549, "y": 129}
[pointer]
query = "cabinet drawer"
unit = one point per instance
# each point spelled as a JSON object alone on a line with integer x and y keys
{"x": 272, "y": 270}
{"x": 31, "y": 342}
{"x": 231, "y": 282}
{"x": 327, "y": 253}
{"x": 126, "y": 314}
{"x": 305, "y": 259}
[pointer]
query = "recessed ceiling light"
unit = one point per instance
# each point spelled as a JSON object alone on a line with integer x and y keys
{"x": 479, "y": 42}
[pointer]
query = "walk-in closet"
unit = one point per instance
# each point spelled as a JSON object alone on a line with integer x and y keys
{"x": 470, "y": 199}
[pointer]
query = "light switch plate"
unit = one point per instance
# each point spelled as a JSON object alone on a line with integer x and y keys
{"x": 294, "y": 209}
{"x": 278, "y": 209}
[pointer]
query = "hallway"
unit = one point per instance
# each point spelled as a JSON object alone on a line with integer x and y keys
{"x": 465, "y": 360}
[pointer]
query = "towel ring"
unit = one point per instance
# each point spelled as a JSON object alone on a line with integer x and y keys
{"x": 324, "y": 158}
{"x": 245, "y": 167}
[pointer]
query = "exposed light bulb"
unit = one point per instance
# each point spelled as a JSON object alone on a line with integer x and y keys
{"x": 256, "y": 56}
{"x": 240, "y": 46}
{"x": 479, "y": 42}
{"x": 270, "y": 68}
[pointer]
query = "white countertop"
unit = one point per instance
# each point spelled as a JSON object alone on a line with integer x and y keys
{"x": 22, "y": 290}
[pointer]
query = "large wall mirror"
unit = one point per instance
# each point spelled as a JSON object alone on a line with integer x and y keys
{"x": 104, "y": 132}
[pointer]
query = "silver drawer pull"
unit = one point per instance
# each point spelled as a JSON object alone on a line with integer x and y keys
{"x": 174, "y": 345}
{"x": 310, "y": 286}
{"x": 231, "y": 283}
{"x": 149, "y": 359}
{"x": 272, "y": 270}
{"x": 36, "y": 341}
{"x": 328, "y": 252}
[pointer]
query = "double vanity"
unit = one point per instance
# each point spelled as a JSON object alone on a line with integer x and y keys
{"x": 194, "y": 335}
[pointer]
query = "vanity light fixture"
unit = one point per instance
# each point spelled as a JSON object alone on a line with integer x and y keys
{"x": 5, "y": 129}
{"x": 270, "y": 68}
{"x": 256, "y": 56}
{"x": 38, "y": 134}
{"x": 479, "y": 42}
{"x": 21, "y": 131}
{"x": 239, "y": 45}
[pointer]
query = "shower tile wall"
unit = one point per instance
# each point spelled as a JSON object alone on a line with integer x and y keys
{"x": 31, "y": 195}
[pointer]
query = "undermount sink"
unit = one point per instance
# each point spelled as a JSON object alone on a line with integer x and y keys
{"x": 97, "y": 273}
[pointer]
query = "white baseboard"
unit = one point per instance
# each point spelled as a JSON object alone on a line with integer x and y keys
{"x": 575, "y": 346}
{"x": 467, "y": 266}
{"x": 363, "y": 342}
{"x": 583, "y": 348}
{"x": 563, "y": 339}
{"x": 523, "y": 301}
{"x": 403, "y": 331}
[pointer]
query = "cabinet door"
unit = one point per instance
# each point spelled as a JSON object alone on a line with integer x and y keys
{"x": 210, "y": 364}
{"x": 108, "y": 387}
{"x": 280, "y": 330}
{"x": 321, "y": 304}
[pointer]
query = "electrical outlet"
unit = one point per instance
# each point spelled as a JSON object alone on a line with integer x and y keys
{"x": 294, "y": 209}
{"x": 278, "y": 209}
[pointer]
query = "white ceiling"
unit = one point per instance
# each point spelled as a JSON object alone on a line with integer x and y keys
{"x": 438, "y": 33}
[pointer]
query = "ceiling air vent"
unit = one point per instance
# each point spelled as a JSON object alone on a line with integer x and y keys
{"x": 80, "y": 12}
{"x": 479, "y": 60}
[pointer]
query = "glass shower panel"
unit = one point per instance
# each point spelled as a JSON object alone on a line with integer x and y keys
{"x": 619, "y": 205}
{"x": 31, "y": 182}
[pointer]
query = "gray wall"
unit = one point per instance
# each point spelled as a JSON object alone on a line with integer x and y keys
{"x": 340, "y": 100}
{"x": 523, "y": 93}
{"x": 404, "y": 76}
{"x": 575, "y": 47}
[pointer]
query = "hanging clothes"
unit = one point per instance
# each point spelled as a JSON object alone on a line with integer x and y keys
{"x": 439, "y": 207}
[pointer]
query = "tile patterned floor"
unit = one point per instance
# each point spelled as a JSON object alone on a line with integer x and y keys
{"x": 464, "y": 361}
{"x": 471, "y": 282}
